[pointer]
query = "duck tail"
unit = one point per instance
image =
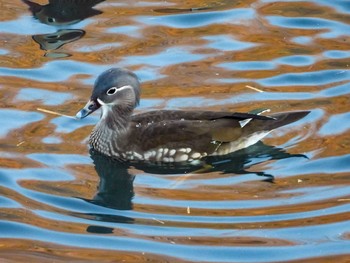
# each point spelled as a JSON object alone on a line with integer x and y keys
{"x": 284, "y": 118}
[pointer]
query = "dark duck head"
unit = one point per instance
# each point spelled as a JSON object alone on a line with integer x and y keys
{"x": 164, "y": 135}
{"x": 117, "y": 92}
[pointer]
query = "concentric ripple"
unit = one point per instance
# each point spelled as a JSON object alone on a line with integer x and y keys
{"x": 285, "y": 199}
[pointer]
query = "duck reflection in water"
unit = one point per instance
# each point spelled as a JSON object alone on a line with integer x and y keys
{"x": 116, "y": 189}
{"x": 61, "y": 13}
{"x": 56, "y": 40}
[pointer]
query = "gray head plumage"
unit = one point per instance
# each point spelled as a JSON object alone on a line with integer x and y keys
{"x": 116, "y": 87}
{"x": 126, "y": 83}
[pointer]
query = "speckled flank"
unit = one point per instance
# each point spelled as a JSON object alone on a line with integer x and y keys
{"x": 172, "y": 155}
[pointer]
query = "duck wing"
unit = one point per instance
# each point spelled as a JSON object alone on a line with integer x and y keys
{"x": 203, "y": 131}
{"x": 200, "y": 131}
{"x": 168, "y": 115}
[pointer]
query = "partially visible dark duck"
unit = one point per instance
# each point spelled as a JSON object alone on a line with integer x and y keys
{"x": 168, "y": 136}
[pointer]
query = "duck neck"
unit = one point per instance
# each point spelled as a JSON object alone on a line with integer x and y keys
{"x": 111, "y": 127}
{"x": 116, "y": 118}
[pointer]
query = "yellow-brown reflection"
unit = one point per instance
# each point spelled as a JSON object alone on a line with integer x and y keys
{"x": 302, "y": 9}
{"x": 325, "y": 259}
{"x": 14, "y": 250}
{"x": 194, "y": 78}
{"x": 226, "y": 241}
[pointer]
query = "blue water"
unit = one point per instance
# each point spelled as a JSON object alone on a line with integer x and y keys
{"x": 284, "y": 199}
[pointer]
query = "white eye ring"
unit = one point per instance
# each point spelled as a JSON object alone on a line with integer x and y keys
{"x": 112, "y": 91}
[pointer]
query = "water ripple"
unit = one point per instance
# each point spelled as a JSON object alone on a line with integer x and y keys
{"x": 13, "y": 119}
{"x": 334, "y": 28}
{"x": 226, "y": 43}
{"x": 283, "y": 199}
{"x": 316, "y": 78}
{"x": 234, "y": 16}
{"x": 47, "y": 97}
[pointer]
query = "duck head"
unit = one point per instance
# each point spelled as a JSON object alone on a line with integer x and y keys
{"x": 114, "y": 90}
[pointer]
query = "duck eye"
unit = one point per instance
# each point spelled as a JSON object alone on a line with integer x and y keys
{"x": 51, "y": 20}
{"x": 111, "y": 91}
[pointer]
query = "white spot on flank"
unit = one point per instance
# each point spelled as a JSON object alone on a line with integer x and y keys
{"x": 195, "y": 155}
{"x": 138, "y": 156}
{"x": 181, "y": 158}
{"x": 147, "y": 155}
{"x": 159, "y": 154}
{"x": 168, "y": 159}
{"x": 183, "y": 150}
{"x": 172, "y": 152}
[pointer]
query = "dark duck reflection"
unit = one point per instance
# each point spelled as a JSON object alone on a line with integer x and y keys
{"x": 56, "y": 40}
{"x": 61, "y": 13}
{"x": 116, "y": 189}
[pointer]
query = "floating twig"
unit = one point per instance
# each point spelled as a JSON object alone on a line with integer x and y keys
{"x": 256, "y": 89}
{"x": 55, "y": 113}
{"x": 20, "y": 143}
{"x": 155, "y": 219}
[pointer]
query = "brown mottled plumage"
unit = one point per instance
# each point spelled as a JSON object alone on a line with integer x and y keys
{"x": 168, "y": 136}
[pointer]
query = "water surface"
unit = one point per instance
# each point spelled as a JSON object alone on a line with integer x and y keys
{"x": 285, "y": 199}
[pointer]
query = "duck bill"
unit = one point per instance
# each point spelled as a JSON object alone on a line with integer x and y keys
{"x": 89, "y": 108}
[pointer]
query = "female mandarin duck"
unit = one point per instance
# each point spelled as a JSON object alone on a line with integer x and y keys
{"x": 168, "y": 135}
